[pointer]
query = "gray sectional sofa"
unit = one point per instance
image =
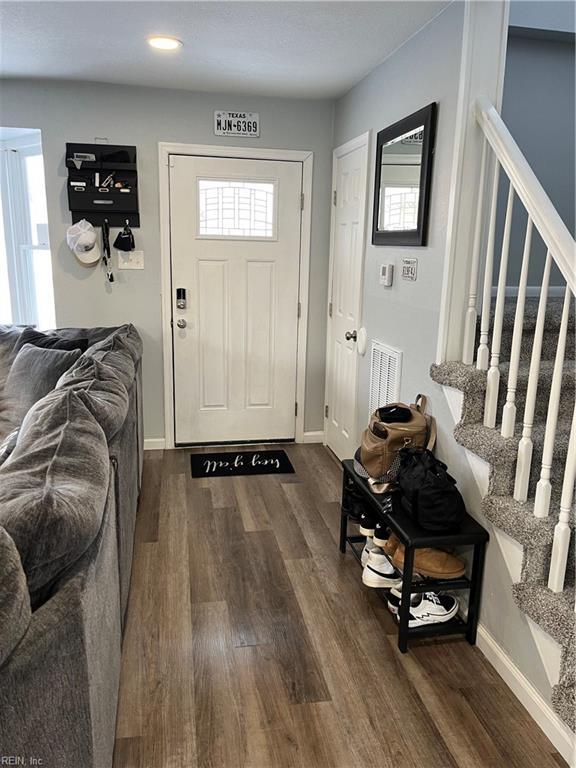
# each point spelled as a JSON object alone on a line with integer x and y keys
{"x": 69, "y": 485}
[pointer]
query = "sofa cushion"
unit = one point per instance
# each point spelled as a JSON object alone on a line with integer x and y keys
{"x": 8, "y": 444}
{"x": 101, "y": 391}
{"x": 115, "y": 353}
{"x": 15, "y": 612}
{"x": 33, "y": 374}
{"x": 53, "y": 487}
{"x": 49, "y": 341}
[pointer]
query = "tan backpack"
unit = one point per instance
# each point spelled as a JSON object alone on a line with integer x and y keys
{"x": 381, "y": 442}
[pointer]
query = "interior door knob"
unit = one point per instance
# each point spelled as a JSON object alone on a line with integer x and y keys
{"x": 351, "y": 336}
{"x": 181, "y": 323}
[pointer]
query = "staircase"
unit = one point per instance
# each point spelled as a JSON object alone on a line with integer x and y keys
{"x": 517, "y": 374}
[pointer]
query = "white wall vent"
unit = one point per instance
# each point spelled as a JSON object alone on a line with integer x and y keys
{"x": 385, "y": 370}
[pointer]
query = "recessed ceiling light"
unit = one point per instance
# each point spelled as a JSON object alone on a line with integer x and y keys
{"x": 164, "y": 43}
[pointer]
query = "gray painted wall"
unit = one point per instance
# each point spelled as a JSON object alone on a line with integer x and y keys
{"x": 406, "y": 315}
{"x": 67, "y": 111}
{"x": 538, "y": 106}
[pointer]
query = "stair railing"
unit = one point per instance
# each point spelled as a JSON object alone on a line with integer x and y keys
{"x": 501, "y": 153}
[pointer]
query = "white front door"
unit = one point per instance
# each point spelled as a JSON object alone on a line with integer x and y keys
{"x": 235, "y": 251}
{"x": 350, "y": 167}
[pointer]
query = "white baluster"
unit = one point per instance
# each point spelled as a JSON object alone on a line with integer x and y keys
{"x": 562, "y": 528}
{"x": 493, "y": 377}
{"x": 471, "y": 313}
{"x": 509, "y": 410}
{"x": 482, "y": 355}
{"x": 524, "y": 461}
{"x": 544, "y": 486}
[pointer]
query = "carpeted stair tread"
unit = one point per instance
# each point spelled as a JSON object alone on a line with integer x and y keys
{"x": 518, "y": 521}
{"x": 564, "y": 703}
{"x": 551, "y": 327}
{"x": 472, "y": 382}
{"x": 489, "y": 444}
{"x": 553, "y": 611}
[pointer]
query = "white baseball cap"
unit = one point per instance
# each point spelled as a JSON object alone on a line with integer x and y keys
{"x": 83, "y": 241}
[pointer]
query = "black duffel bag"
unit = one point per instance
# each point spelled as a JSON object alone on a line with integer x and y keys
{"x": 429, "y": 493}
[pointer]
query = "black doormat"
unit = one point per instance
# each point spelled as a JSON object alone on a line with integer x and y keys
{"x": 240, "y": 463}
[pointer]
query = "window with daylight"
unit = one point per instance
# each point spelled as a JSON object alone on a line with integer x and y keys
{"x": 237, "y": 209}
{"x": 26, "y": 292}
{"x": 400, "y": 208}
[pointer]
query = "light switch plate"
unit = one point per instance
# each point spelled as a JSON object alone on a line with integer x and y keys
{"x": 130, "y": 259}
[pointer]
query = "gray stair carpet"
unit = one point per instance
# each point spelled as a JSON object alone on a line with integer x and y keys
{"x": 553, "y": 612}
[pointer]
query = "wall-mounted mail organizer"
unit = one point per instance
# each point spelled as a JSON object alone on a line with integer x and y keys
{"x": 103, "y": 184}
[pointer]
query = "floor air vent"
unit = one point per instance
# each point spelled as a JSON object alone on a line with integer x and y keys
{"x": 385, "y": 368}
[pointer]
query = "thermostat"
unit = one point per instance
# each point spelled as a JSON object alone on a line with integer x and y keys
{"x": 386, "y": 274}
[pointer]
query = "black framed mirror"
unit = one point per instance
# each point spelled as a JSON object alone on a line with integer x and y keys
{"x": 403, "y": 178}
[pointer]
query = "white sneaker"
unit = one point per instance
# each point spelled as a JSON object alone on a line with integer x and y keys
{"x": 379, "y": 571}
{"x": 368, "y": 547}
{"x": 432, "y": 608}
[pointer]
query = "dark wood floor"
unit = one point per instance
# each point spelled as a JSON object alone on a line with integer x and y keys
{"x": 252, "y": 643}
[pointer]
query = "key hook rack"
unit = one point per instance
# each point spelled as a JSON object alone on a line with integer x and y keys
{"x": 103, "y": 184}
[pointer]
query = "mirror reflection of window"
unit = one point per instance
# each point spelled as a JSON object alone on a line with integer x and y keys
{"x": 401, "y": 162}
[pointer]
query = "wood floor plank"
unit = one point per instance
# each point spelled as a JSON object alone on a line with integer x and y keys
{"x": 269, "y": 724}
{"x": 286, "y": 529}
{"x": 139, "y": 678}
{"x": 149, "y": 502}
{"x": 219, "y": 720}
{"x": 127, "y": 753}
{"x": 250, "y": 503}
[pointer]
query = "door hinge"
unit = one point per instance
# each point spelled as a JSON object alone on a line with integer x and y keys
{"x": 171, "y": 323}
{"x": 295, "y": 409}
{"x": 299, "y": 309}
{"x": 334, "y": 197}
{"x": 326, "y": 411}
{"x": 330, "y": 309}
{"x": 302, "y": 201}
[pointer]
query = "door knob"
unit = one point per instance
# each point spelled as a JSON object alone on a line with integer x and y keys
{"x": 351, "y": 336}
{"x": 181, "y": 323}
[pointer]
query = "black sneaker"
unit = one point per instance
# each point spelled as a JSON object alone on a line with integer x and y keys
{"x": 367, "y": 523}
{"x": 380, "y": 534}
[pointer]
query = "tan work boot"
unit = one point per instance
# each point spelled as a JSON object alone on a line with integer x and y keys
{"x": 433, "y": 563}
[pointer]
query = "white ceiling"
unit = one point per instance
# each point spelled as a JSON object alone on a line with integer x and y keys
{"x": 303, "y": 49}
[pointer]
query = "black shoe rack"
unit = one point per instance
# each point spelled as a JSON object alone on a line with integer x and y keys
{"x": 356, "y": 493}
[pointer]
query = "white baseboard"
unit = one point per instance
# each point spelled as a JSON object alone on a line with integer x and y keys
{"x": 539, "y": 709}
{"x": 154, "y": 444}
{"x": 313, "y": 437}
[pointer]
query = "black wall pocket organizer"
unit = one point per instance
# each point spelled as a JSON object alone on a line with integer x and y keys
{"x": 103, "y": 184}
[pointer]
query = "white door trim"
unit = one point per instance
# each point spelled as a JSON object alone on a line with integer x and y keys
{"x": 165, "y": 149}
{"x": 363, "y": 140}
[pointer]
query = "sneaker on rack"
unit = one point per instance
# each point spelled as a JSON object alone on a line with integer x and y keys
{"x": 367, "y": 523}
{"x": 394, "y": 597}
{"x": 380, "y": 534}
{"x": 379, "y": 571}
{"x": 368, "y": 547}
{"x": 432, "y": 608}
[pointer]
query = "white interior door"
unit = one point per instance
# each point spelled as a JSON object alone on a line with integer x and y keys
{"x": 350, "y": 168}
{"x": 235, "y": 250}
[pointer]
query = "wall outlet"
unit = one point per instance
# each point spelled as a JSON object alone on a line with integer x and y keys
{"x": 130, "y": 259}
